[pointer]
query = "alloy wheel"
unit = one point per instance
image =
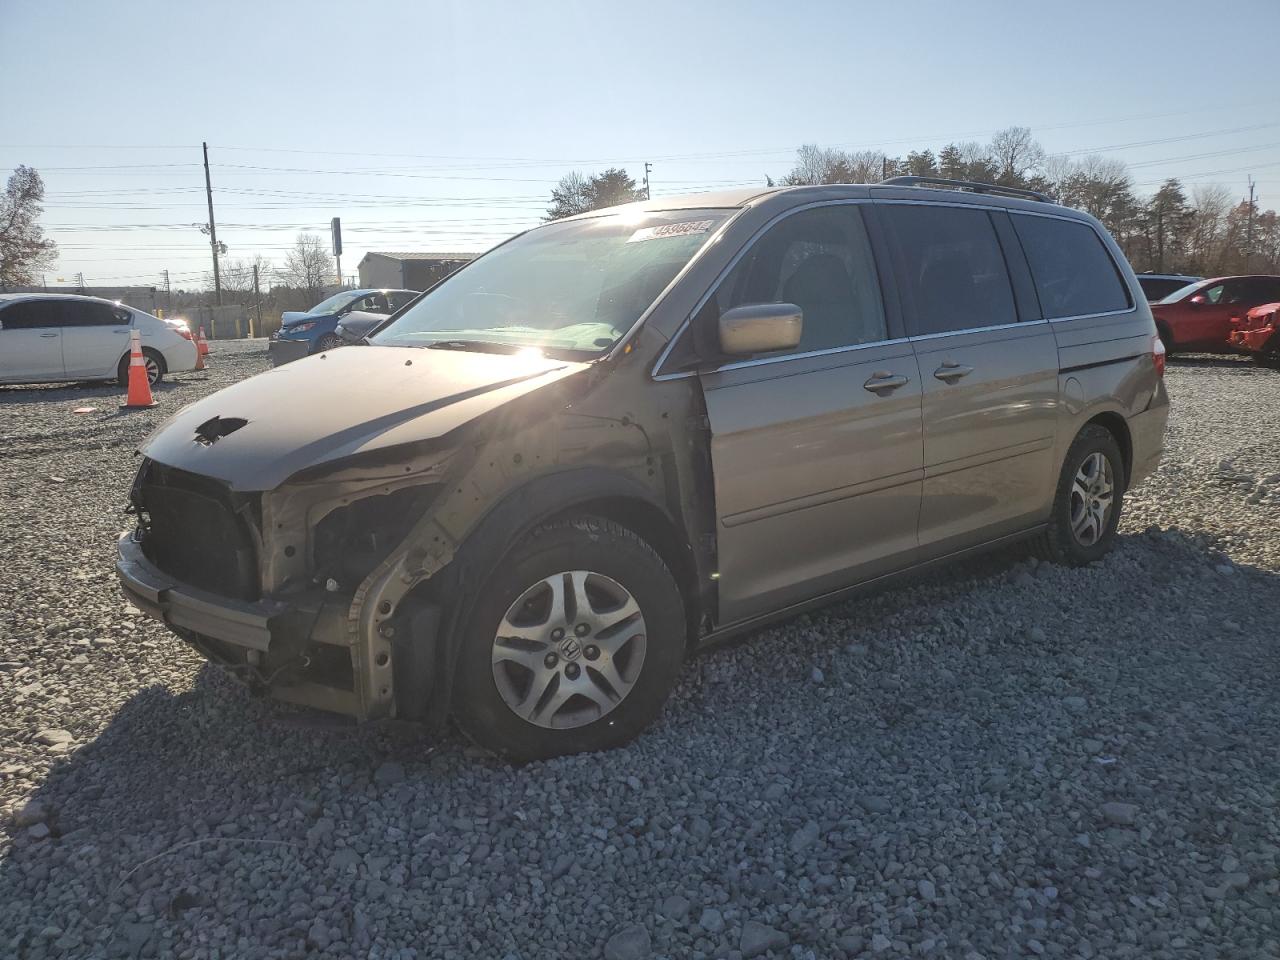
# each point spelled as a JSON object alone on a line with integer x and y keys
{"x": 153, "y": 368}
{"x": 1092, "y": 493}
{"x": 569, "y": 649}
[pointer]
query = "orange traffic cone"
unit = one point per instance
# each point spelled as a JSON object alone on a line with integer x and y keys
{"x": 202, "y": 347}
{"x": 139, "y": 394}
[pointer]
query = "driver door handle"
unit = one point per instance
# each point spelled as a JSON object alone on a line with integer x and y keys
{"x": 48, "y": 334}
{"x": 883, "y": 382}
{"x": 950, "y": 371}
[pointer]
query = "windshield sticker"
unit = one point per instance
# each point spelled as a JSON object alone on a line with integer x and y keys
{"x": 665, "y": 230}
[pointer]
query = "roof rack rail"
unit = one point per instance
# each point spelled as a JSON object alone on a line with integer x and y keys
{"x": 971, "y": 185}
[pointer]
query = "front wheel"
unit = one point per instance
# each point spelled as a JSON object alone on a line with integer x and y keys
{"x": 1090, "y": 495}
{"x": 573, "y": 643}
{"x": 330, "y": 341}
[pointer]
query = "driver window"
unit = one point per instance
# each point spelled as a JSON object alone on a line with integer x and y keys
{"x": 1214, "y": 293}
{"x": 820, "y": 260}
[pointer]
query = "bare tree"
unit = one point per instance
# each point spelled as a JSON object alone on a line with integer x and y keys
{"x": 24, "y": 251}
{"x": 1210, "y": 204}
{"x": 1016, "y": 155}
{"x": 237, "y": 277}
{"x": 815, "y": 164}
{"x": 308, "y": 267}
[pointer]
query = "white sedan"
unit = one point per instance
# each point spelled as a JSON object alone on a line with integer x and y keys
{"x": 47, "y": 337}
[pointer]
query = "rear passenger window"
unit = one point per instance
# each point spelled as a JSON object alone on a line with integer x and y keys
{"x": 821, "y": 261}
{"x": 1073, "y": 272}
{"x": 953, "y": 271}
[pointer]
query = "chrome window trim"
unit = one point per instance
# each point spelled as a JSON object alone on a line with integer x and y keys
{"x": 655, "y": 374}
{"x": 680, "y": 375}
{"x": 966, "y": 330}
{"x": 1093, "y": 316}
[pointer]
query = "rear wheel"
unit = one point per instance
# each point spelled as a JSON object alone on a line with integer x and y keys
{"x": 153, "y": 361}
{"x": 573, "y": 644}
{"x": 1089, "y": 498}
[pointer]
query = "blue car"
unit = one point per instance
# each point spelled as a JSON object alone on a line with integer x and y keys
{"x": 303, "y": 334}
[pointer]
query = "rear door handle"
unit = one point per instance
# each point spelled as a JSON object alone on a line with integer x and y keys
{"x": 882, "y": 382}
{"x": 951, "y": 371}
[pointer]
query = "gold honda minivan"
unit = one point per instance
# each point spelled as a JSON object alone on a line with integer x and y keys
{"x": 620, "y": 436}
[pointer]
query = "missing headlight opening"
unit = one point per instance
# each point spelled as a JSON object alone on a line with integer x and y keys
{"x": 352, "y": 540}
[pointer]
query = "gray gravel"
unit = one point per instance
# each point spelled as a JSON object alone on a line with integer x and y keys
{"x": 1009, "y": 760}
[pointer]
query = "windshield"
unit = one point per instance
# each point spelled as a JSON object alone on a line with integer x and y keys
{"x": 1182, "y": 292}
{"x": 571, "y": 288}
{"x": 336, "y": 302}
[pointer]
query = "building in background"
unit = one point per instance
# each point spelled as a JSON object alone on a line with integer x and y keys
{"x": 409, "y": 271}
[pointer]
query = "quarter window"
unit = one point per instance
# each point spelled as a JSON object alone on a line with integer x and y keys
{"x": 1073, "y": 272}
{"x": 821, "y": 261}
{"x": 953, "y": 271}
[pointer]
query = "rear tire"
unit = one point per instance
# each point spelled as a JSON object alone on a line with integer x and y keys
{"x": 1166, "y": 338}
{"x": 156, "y": 367}
{"x": 537, "y": 673}
{"x": 1088, "y": 501}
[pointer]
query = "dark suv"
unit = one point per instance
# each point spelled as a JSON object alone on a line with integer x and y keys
{"x": 622, "y": 435}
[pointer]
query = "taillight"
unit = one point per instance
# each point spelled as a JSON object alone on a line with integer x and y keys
{"x": 1158, "y": 355}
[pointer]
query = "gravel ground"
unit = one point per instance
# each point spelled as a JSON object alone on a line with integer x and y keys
{"x": 1008, "y": 760}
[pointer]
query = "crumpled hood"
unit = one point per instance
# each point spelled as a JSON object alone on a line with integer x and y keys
{"x": 348, "y": 401}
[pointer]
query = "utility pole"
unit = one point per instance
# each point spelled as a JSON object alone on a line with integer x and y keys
{"x": 80, "y": 280}
{"x": 647, "y": 167}
{"x": 257, "y": 300}
{"x": 168, "y": 293}
{"x": 213, "y": 230}
{"x": 1248, "y": 250}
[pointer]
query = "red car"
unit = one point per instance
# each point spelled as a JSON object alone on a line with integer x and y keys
{"x": 1258, "y": 333}
{"x": 1199, "y": 316}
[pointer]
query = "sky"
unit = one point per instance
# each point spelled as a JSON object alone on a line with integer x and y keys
{"x": 442, "y": 126}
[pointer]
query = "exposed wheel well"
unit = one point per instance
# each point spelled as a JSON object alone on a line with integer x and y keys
{"x": 1115, "y": 424}
{"x": 651, "y": 524}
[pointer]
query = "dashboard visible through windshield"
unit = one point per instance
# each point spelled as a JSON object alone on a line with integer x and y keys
{"x": 571, "y": 288}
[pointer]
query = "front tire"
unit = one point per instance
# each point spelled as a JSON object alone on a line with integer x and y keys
{"x": 1088, "y": 501}
{"x": 572, "y": 645}
{"x": 330, "y": 341}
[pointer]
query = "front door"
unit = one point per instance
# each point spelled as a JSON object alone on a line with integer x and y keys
{"x": 817, "y": 453}
{"x": 990, "y": 405}
{"x": 94, "y": 337}
{"x": 31, "y": 341}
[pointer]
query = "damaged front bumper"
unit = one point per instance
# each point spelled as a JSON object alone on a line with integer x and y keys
{"x": 299, "y": 651}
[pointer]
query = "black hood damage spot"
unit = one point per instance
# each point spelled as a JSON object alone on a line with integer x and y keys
{"x": 209, "y": 432}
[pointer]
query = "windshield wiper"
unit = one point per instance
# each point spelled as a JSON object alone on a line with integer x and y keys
{"x": 479, "y": 346}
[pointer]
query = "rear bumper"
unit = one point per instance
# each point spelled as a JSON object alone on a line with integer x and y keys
{"x": 180, "y": 357}
{"x": 1146, "y": 434}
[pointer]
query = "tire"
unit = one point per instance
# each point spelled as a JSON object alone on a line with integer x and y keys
{"x": 1166, "y": 338}
{"x": 330, "y": 341}
{"x": 1065, "y": 542}
{"x": 156, "y": 367}
{"x": 566, "y": 706}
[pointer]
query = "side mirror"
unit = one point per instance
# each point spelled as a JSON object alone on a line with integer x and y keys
{"x": 760, "y": 328}
{"x": 1198, "y": 300}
